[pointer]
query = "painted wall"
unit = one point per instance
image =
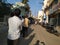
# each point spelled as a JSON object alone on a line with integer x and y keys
{"x": 40, "y": 16}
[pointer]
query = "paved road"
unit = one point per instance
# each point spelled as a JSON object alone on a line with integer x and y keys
{"x": 45, "y": 37}
{"x": 37, "y": 36}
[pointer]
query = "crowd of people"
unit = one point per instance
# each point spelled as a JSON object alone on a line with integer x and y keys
{"x": 17, "y": 26}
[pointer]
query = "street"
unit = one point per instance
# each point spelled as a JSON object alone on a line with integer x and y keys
{"x": 37, "y": 35}
{"x": 42, "y": 18}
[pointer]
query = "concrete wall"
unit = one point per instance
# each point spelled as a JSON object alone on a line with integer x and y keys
{"x": 40, "y": 16}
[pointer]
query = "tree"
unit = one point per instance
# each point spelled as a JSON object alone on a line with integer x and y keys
{"x": 26, "y": 5}
{"x": 25, "y": 1}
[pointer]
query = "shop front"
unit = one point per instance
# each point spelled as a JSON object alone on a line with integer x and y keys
{"x": 54, "y": 15}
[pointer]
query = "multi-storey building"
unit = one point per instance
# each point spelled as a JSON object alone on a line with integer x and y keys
{"x": 46, "y": 7}
{"x": 52, "y": 10}
{"x": 56, "y": 11}
{"x": 40, "y": 16}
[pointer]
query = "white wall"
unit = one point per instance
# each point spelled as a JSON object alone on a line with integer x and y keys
{"x": 45, "y": 4}
{"x": 40, "y": 15}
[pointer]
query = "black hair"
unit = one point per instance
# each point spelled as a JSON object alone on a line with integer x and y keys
{"x": 26, "y": 16}
{"x": 16, "y": 12}
{"x": 12, "y": 14}
{"x": 23, "y": 17}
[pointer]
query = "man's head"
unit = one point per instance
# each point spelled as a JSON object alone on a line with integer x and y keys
{"x": 17, "y": 12}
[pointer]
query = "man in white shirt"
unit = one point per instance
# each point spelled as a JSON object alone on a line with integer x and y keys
{"x": 15, "y": 24}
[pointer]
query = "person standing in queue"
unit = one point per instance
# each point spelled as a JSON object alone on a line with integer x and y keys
{"x": 25, "y": 26}
{"x": 14, "y": 23}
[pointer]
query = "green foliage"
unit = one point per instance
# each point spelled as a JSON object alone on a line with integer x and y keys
{"x": 24, "y": 1}
{"x": 26, "y": 4}
{"x": 27, "y": 7}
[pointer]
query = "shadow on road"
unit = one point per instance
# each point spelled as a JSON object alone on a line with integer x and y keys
{"x": 43, "y": 43}
{"x": 24, "y": 41}
{"x": 3, "y": 38}
{"x": 27, "y": 33}
{"x": 30, "y": 31}
{"x": 51, "y": 30}
{"x": 37, "y": 42}
{"x": 55, "y": 32}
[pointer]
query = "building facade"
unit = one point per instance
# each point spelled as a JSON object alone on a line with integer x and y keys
{"x": 40, "y": 16}
{"x": 52, "y": 10}
{"x": 46, "y": 7}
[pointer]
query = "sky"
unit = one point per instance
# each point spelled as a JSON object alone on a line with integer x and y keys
{"x": 35, "y": 5}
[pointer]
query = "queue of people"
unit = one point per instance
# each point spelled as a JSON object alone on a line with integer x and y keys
{"x": 16, "y": 25}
